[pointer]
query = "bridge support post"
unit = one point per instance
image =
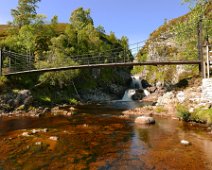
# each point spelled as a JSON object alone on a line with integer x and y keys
{"x": 199, "y": 46}
{"x": 1, "y": 62}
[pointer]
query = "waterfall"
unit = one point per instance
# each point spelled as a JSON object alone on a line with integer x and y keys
{"x": 128, "y": 95}
{"x": 136, "y": 84}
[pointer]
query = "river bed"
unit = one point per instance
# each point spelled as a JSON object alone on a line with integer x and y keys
{"x": 97, "y": 137}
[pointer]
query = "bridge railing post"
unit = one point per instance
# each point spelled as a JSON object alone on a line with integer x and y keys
{"x": 199, "y": 47}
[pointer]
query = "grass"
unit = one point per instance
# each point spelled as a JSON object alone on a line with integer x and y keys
{"x": 53, "y": 95}
{"x": 200, "y": 115}
{"x": 160, "y": 109}
{"x": 183, "y": 112}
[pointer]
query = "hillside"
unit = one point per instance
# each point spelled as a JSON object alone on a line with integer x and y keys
{"x": 170, "y": 42}
{"x": 4, "y": 29}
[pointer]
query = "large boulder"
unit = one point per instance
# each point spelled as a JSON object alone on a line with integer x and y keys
{"x": 116, "y": 90}
{"x": 144, "y": 120}
{"x": 139, "y": 94}
{"x": 23, "y": 97}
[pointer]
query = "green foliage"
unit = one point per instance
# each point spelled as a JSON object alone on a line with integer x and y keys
{"x": 3, "y": 82}
{"x": 202, "y": 115}
{"x": 176, "y": 32}
{"x": 137, "y": 69}
{"x": 200, "y": 9}
{"x": 60, "y": 45}
{"x": 194, "y": 3}
{"x": 160, "y": 109}
{"x": 54, "y": 95}
{"x": 73, "y": 101}
{"x": 81, "y": 18}
{"x": 183, "y": 112}
{"x": 25, "y": 12}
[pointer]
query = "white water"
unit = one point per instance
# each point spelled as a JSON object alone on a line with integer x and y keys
{"x": 128, "y": 95}
{"x": 146, "y": 92}
{"x": 136, "y": 84}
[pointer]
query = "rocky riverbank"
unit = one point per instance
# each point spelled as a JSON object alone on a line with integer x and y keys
{"x": 185, "y": 103}
{"x": 177, "y": 102}
{"x": 29, "y": 103}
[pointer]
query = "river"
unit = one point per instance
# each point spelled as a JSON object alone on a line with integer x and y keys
{"x": 97, "y": 137}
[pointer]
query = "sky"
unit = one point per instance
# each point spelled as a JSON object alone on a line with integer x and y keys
{"x": 135, "y": 19}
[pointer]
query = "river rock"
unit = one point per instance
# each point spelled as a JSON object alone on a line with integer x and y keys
{"x": 54, "y": 138}
{"x": 144, "y": 120}
{"x": 185, "y": 142}
{"x": 38, "y": 143}
{"x": 151, "y": 89}
{"x": 167, "y": 98}
{"x": 57, "y": 111}
{"x": 180, "y": 97}
{"x": 39, "y": 130}
{"x": 116, "y": 89}
{"x": 25, "y": 134}
{"x": 22, "y": 96}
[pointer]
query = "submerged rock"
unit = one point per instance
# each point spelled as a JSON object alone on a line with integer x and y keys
{"x": 145, "y": 120}
{"x": 185, "y": 142}
{"x": 55, "y": 138}
{"x": 38, "y": 143}
{"x": 25, "y": 134}
{"x": 39, "y": 130}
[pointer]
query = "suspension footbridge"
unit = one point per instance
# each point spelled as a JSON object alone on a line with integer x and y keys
{"x": 14, "y": 63}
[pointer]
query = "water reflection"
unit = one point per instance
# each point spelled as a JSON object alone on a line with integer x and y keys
{"x": 97, "y": 138}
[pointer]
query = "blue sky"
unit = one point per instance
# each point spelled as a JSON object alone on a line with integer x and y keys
{"x": 135, "y": 19}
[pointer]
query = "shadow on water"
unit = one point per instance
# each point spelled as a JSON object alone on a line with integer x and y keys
{"x": 98, "y": 138}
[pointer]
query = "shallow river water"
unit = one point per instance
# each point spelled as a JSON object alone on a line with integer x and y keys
{"x": 98, "y": 138}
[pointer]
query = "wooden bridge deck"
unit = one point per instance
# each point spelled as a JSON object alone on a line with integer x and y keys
{"x": 154, "y": 63}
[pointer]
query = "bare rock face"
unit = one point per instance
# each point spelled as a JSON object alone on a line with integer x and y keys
{"x": 167, "y": 98}
{"x": 144, "y": 120}
{"x": 207, "y": 89}
{"x": 23, "y": 97}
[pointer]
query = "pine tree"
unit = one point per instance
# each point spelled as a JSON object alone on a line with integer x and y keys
{"x": 25, "y": 12}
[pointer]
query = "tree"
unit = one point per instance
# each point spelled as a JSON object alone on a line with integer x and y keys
{"x": 187, "y": 27}
{"x": 80, "y": 18}
{"x": 57, "y": 57}
{"x": 54, "y": 20}
{"x": 194, "y": 3}
{"x": 25, "y": 12}
{"x": 101, "y": 29}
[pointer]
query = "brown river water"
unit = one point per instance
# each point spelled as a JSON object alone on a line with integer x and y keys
{"x": 96, "y": 137}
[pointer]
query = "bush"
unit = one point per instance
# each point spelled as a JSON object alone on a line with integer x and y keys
{"x": 3, "y": 83}
{"x": 73, "y": 101}
{"x": 183, "y": 112}
{"x": 202, "y": 115}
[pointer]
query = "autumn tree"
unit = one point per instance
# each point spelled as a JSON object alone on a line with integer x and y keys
{"x": 25, "y": 12}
